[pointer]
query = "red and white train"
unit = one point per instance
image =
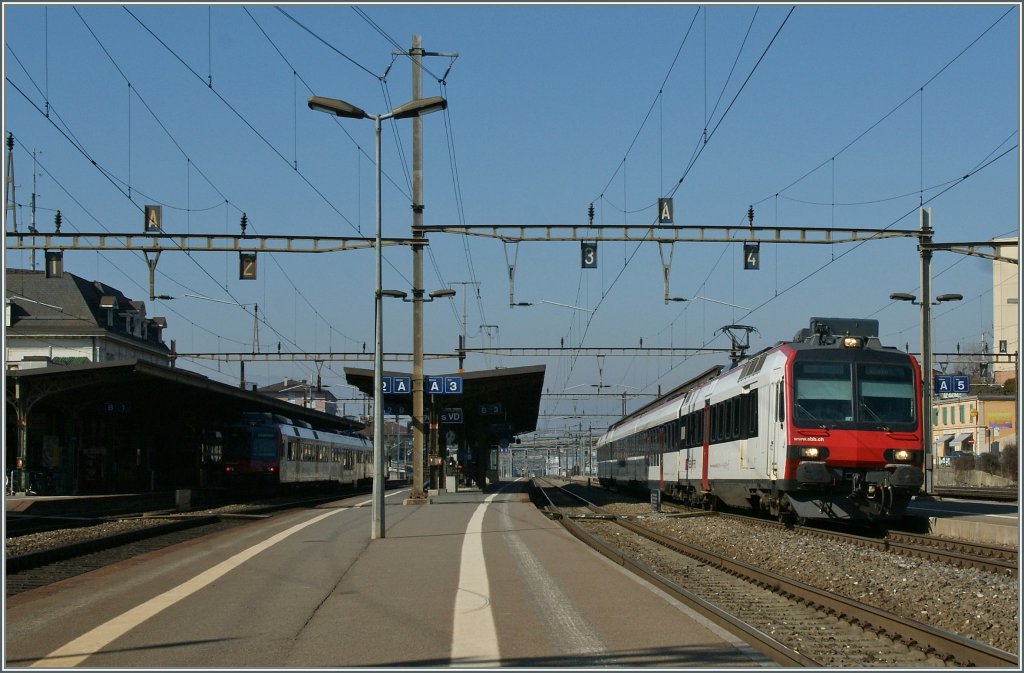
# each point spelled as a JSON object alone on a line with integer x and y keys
{"x": 826, "y": 426}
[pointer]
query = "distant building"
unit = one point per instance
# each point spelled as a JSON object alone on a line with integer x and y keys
{"x": 69, "y": 320}
{"x": 977, "y": 424}
{"x": 1005, "y": 312}
{"x": 303, "y": 394}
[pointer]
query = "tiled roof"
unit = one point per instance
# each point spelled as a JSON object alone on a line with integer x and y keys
{"x": 69, "y": 305}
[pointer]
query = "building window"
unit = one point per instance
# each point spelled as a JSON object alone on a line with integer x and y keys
{"x": 944, "y": 409}
{"x": 961, "y": 413}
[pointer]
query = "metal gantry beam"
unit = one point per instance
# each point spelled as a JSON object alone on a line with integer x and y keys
{"x": 152, "y": 242}
{"x": 612, "y": 351}
{"x": 517, "y": 233}
{"x": 305, "y": 357}
{"x": 968, "y": 358}
{"x": 273, "y": 356}
{"x": 971, "y": 248}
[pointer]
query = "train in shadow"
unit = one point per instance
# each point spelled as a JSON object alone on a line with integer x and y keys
{"x": 266, "y": 451}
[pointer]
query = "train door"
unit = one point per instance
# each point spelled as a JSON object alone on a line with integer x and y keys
{"x": 776, "y": 422}
{"x": 704, "y": 484}
{"x": 686, "y": 442}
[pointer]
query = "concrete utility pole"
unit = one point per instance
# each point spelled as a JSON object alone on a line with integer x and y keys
{"x": 417, "y": 496}
{"x": 926, "y": 347}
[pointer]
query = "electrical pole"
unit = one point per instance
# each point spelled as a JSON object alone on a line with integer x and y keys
{"x": 10, "y": 200}
{"x": 462, "y": 337}
{"x": 32, "y": 224}
{"x": 926, "y": 346}
{"x": 417, "y": 496}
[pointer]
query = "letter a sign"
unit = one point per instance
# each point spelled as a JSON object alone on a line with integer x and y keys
{"x": 665, "y": 211}
{"x": 153, "y": 219}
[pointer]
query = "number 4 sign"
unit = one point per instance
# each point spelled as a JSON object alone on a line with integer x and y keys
{"x": 751, "y": 256}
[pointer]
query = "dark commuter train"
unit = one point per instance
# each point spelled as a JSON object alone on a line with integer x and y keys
{"x": 826, "y": 426}
{"x": 264, "y": 449}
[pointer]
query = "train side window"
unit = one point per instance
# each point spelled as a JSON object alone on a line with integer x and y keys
{"x": 780, "y": 403}
{"x": 752, "y": 413}
{"x": 734, "y": 417}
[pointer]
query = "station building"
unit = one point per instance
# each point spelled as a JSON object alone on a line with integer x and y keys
{"x": 94, "y": 401}
{"x": 981, "y": 423}
{"x": 70, "y": 320}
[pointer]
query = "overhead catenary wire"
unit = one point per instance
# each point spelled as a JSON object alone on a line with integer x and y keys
{"x": 110, "y": 175}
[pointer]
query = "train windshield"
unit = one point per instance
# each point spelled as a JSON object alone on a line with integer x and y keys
{"x": 823, "y": 392}
{"x": 886, "y": 393}
{"x": 871, "y": 395}
{"x": 245, "y": 443}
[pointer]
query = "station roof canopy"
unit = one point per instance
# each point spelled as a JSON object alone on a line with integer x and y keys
{"x": 497, "y": 403}
{"x": 144, "y": 384}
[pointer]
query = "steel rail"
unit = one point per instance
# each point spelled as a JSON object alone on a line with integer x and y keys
{"x": 762, "y": 642}
{"x": 963, "y": 651}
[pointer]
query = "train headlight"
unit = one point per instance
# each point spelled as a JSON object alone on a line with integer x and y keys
{"x": 902, "y": 456}
{"x": 818, "y": 453}
{"x": 852, "y": 342}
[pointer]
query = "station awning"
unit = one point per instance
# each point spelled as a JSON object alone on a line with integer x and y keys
{"x": 497, "y": 404}
{"x": 958, "y": 442}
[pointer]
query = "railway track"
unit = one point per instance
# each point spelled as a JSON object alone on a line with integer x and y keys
{"x": 90, "y": 551}
{"x": 791, "y": 622}
{"x": 956, "y": 553}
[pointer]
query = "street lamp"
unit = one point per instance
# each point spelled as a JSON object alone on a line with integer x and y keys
{"x": 417, "y": 295}
{"x": 414, "y": 108}
{"x": 926, "y": 365}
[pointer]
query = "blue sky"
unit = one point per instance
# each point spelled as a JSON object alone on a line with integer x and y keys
{"x": 838, "y": 115}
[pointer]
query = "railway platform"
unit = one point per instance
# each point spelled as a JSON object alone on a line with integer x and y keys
{"x": 474, "y": 578}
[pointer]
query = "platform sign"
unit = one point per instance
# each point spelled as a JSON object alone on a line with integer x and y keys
{"x": 386, "y": 384}
{"x": 443, "y": 385}
{"x": 402, "y": 385}
{"x": 952, "y": 384}
{"x": 396, "y": 409}
{"x": 451, "y": 416}
{"x": 491, "y": 409}
{"x": 453, "y": 385}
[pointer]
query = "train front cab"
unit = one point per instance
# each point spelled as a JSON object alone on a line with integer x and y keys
{"x": 854, "y": 449}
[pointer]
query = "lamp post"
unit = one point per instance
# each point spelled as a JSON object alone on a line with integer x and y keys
{"x": 926, "y": 368}
{"x": 414, "y": 108}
